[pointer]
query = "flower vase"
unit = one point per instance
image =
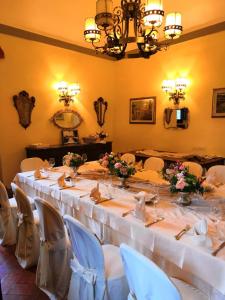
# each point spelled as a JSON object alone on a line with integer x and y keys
{"x": 74, "y": 170}
{"x": 184, "y": 199}
{"x": 123, "y": 183}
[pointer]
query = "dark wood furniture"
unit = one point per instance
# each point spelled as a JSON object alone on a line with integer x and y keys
{"x": 93, "y": 151}
{"x": 206, "y": 163}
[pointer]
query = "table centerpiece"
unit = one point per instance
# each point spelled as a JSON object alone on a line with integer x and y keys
{"x": 74, "y": 160}
{"x": 123, "y": 170}
{"x": 108, "y": 160}
{"x": 183, "y": 182}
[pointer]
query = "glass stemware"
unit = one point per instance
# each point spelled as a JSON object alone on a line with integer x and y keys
{"x": 84, "y": 157}
{"x": 51, "y": 162}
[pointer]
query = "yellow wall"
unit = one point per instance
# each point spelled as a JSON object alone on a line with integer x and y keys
{"x": 202, "y": 61}
{"x": 35, "y": 67}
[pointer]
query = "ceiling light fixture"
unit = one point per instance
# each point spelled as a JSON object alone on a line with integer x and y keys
{"x": 115, "y": 26}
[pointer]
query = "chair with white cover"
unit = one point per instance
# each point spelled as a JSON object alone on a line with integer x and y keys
{"x": 28, "y": 244}
{"x": 8, "y": 218}
{"x": 147, "y": 281}
{"x": 216, "y": 175}
{"x": 154, "y": 163}
{"x": 194, "y": 168}
{"x": 129, "y": 158}
{"x": 30, "y": 164}
{"x": 53, "y": 270}
{"x": 97, "y": 271}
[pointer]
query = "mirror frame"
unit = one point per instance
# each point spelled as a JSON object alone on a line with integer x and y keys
{"x": 176, "y": 108}
{"x": 66, "y": 111}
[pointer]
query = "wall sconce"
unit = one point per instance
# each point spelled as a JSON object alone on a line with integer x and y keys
{"x": 175, "y": 89}
{"x": 67, "y": 92}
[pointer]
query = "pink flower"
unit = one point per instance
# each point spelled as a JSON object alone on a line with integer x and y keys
{"x": 179, "y": 175}
{"x": 181, "y": 167}
{"x": 118, "y": 165}
{"x": 180, "y": 185}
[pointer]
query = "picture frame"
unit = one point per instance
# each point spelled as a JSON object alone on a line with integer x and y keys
{"x": 69, "y": 136}
{"x": 218, "y": 103}
{"x": 143, "y": 110}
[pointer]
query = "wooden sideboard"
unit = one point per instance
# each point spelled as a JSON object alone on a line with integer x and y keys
{"x": 93, "y": 151}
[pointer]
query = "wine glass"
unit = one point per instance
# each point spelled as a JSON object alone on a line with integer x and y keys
{"x": 155, "y": 201}
{"x": 51, "y": 162}
{"x": 84, "y": 157}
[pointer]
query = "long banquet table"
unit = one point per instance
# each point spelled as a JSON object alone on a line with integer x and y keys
{"x": 181, "y": 258}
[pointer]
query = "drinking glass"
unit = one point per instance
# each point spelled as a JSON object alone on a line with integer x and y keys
{"x": 51, "y": 162}
{"x": 84, "y": 157}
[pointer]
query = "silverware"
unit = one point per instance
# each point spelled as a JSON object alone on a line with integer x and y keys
{"x": 124, "y": 214}
{"x": 182, "y": 232}
{"x": 221, "y": 246}
{"x": 147, "y": 224}
{"x": 102, "y": 200}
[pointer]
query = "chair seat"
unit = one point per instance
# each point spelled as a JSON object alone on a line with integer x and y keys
{"x": 187, "y": 291}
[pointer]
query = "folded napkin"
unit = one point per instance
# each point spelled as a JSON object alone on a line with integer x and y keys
{"x": 139, "y": 166}
{"x": 46, "y": 165}
{"x": 198, "y": 235}
{"x": 139, "y": 210}
{"x": 37, "y": 174}
{"x": 151, "y": 176}
{"x": 61, "y": 181}
{"x": 95, "y": 194}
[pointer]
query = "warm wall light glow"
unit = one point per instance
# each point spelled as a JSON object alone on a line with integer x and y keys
{"x": 175, "y": 89}
{"x": 173, "y": 28}
{"x": 91, "y": 33}
{"x": 67, "y": 91}
{"x": 154, "y": 13}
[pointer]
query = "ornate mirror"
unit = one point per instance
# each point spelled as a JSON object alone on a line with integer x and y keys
{"x": 100, "y": 107}
{"x": 176, "y": 118}
{"x": 67, "y": 119}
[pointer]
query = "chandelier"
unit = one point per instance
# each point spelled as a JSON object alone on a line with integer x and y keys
{"x": 113, "y": 27}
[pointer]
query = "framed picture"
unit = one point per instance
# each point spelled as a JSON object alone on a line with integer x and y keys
{"x": 142, "y": 110}
{"x": 69, "y": 136}
{"x": 218, "y": 103}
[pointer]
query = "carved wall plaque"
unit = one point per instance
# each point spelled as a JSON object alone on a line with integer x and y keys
{"x": 100, "y": 107}
{"x": 24, "y": 106}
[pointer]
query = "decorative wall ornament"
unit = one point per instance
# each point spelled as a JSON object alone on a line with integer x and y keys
{"x": 24, "y": 106}
{"x": 100, "y": 107}
{"x": 2, "y": 54}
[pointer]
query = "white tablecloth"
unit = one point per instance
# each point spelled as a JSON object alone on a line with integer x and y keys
{"x": 192, "y": 263}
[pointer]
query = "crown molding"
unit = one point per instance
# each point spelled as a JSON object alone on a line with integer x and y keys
{"x": 28, "y": 35}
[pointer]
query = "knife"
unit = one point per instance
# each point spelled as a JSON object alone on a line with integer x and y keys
{"x": 147, "y": 224}
{"x": 221, "y": 246}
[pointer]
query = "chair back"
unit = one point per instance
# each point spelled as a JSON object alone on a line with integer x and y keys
{"x": 51, "y": 223}
{"x": 85, "y": 245}
{"x": 194, "y": 168}
{"x": 129, "y": 158}
{"x": 4, "y": 200}
{"x": 145, "y": 279}
{"x": 217, "y": 174}
{"x": 32, "y": 163}
{"x": 154, "y": 163}
{"x": 23, "y": 202}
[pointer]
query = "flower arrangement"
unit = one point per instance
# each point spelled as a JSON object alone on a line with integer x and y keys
{"x": 73, "y": 160}
{"x": 108, "y": 161}
{"x": 123, "y": 170}
{"x": 181, "y": 180}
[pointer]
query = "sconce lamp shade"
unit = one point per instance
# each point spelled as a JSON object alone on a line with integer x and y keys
{"x": 168, "y": 85}
{"x": 153, "y": 15}
{"x": 74, "y": 89}
{"x": 62, "y": 88}
{"x": 181, "y": 84}
{"x": 91, "y": 33}
{"x": 173, "y": 28}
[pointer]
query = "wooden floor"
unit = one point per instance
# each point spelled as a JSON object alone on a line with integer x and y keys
{"x": 17, "y": 283}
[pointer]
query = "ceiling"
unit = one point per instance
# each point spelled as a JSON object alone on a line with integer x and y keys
{"x": 64, "y": 19}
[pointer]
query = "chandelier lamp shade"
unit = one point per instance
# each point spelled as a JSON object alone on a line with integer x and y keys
{"x": 67, "y": 92}
{"x": 175, "y": 89}
{"x": 131, "y": 22}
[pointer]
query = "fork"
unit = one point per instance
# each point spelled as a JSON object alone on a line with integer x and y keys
{"x": 182, "y": 232}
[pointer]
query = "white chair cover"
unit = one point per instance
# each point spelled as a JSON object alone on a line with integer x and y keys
{"x": 194, "y": 168}
{"x": 53, "y": 270}
{"x": 129, "y": 158}
{"x": 216, "y": 175}
{"x": 8, "y": 218}
{"x": 32, "y": 163}
{"x": 27, "y": 246}
{"x": 148, "y": 282}
{"x": 154, "y": 163}
{"x": 97, "y": 272}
